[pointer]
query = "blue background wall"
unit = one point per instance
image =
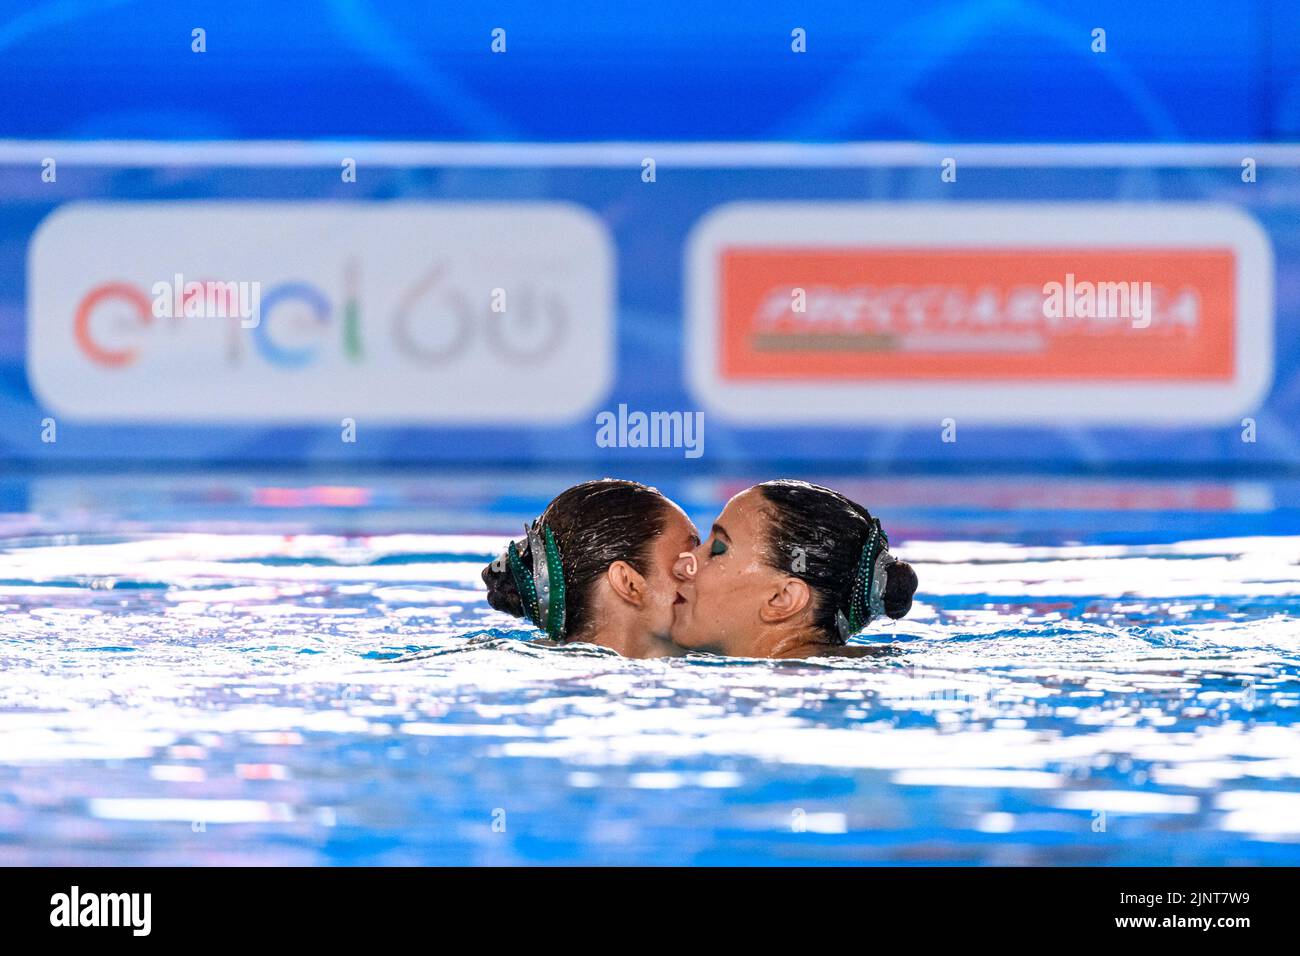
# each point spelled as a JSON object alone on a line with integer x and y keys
{"x": 983, "y": 71}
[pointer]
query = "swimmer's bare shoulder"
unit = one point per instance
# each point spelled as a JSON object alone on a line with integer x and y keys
{"x": 844, "y": 650}
{"x": 864, "y": 650}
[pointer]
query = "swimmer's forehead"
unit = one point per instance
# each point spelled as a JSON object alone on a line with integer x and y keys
{"x": 739, "y": 511}
{"x": 692, "y": 533}
{"x": 748, "y": 498}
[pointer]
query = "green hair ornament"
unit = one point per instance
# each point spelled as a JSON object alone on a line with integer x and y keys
{"x": 542, "y": 589}
{"x": 867, "y": 595}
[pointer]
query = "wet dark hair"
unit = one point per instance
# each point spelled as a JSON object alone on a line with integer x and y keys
{"x": 595, "y": 524}
{"x": 817, "y": 535}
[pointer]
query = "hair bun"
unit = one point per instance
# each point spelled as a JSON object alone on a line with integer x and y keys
{"x": 900, "y": 585}
{"x": 502, "y": 593}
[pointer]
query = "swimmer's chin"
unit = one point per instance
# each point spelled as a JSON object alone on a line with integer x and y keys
{"x": 686, "y": 643}
{"x": 661, "y": 645}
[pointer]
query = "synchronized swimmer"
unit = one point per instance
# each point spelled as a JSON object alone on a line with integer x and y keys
{"x": 788, "y": 570}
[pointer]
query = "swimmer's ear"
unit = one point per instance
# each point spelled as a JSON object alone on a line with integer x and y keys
{"x": 627, "y": 582}
{"x": 787, "y": 599}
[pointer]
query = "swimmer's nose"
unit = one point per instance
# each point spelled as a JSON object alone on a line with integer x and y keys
{"x": 684, "y": 567}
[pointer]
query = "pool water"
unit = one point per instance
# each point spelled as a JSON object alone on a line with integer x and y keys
{"x": 290, "y": 669}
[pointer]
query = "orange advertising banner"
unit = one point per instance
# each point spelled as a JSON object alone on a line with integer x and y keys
{"x": 1014, "y": 314}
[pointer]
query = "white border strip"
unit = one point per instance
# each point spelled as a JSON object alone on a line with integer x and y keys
{"x": 614, "y": 154}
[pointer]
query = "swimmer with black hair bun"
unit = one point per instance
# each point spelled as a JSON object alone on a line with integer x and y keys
{"x": 601, "y": 565}
{"x": 791, "y": 569}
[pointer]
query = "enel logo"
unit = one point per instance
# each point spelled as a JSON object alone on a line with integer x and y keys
{"x": 433, "y": 321}
{"x": 308, "y": 312}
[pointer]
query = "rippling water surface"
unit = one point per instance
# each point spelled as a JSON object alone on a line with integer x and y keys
{"x": 242, "y": 670}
